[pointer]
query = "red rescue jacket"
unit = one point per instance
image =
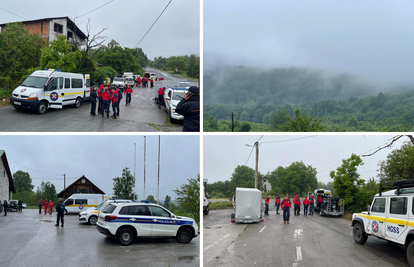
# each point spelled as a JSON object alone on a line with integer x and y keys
{"x": 298, "y": 202}
{"x": 40, "y": 202}
{"x": 267, "y": 200}
{"x": 306, "y": 202}
{"x": 277, "y": 200}
{"x": 286, "y": 203}
{"x": 128, "y": 91}
{"x": 106, "y": 95}
{"x": 114, "y": 96}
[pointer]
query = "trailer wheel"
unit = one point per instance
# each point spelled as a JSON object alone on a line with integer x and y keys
{"x": 359, "y": 235}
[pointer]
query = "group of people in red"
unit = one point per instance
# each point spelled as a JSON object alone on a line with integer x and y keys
{"x": 47, "y": 205}
{"x": 286, "y": 205}
{"x": 143, "y": 82}
{"x": 107, "y": 96}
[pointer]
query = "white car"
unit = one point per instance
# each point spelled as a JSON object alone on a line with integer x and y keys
{"x": 125, "y": 221}
{"x": 172, "y": 96}
{"x": 91, "y": 215}
{"x": 118, "y": 81}
{"x": 390, "y": 217}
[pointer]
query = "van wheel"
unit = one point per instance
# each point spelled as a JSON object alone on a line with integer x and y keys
{"x": 66, "y": 211}
{"x": 125, "y": 237}
{"x": 359, "y": 235}
{"x": 184, "y": 235}
{"x": 410, "y": 253}
{"x": 92, "y": 220}
{"x": 41, "y": 108}
{"x": 77, "y": 102}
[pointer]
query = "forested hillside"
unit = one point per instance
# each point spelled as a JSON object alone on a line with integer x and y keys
{"x": 301, "y": 100}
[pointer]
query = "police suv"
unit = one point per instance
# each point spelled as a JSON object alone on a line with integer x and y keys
{"x": 125, "y": 221}
{"x": 390, "y": 217}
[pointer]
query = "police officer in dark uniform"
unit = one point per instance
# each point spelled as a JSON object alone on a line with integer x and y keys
{"x": 60, "y": 208}
{"x": 5, "y": 204}
{"x": 189, "y": 107}
{"x": 93, "y": 97}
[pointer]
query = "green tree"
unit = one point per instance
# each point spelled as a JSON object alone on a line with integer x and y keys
{"x": 278, "y": 119}
{"x": 167, "y": 202}
{"x": 244, "y": 176}
{"x": 19, "y": 52}
{"x": 188, "y": 197}
{"x": 193, "y": 66}
{"x": 295, "y": 179}
{"x": 46, "y": 190}
{"x": 22, "y": 181}
{"x": 303, "y": 123}
{"x": 399, "y": 164}
{"x": 245, "y": 127}
{"x": 152, "y": 199}
{"x": 57, "y": 55}
{"x": 124, "y": 186}
{"x": 176, "y": 62}
{"x": 346, "y": 181}
{"x": 102, "y": 73}
{"x": 244, "y": 116}
{"x": 120, "y": 59}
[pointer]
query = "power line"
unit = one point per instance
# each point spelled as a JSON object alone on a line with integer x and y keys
{"x": 287, "y": 140}
{"x": 13, "y": 13}
{"x": 153, "y": 24}
{"x": 95, "y": 9}
{"x": 33, "y": 169}
{"x": 253, "y": 148}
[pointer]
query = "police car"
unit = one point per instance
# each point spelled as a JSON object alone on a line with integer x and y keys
{"x": 91, "y": 215}
{"x": 125, "y": 221}
{"x": 390, "y": 217}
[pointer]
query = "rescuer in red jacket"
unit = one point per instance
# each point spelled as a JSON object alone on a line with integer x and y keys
{"x": 139, "y": 81}
{"x": 277, "y": 203}
{"x": 312, "y": 204}
{"x": 50, "y": 207}
{"x": 106, "y": 101}
{"x": 295, "y": 204}
{"x": 40, "y": 206}
{"x": 45, "y": 205}
{"x": 128, "y": 92}
{"x": 298, "y": 203}
{"x": 305, "y": 206}
{"x": 320, "y": 202}
{"x": 114, "y": 98}
{"x": 267, "y": 205}
{"x": 100, "y": 90}
{"x": 286, "y": 205}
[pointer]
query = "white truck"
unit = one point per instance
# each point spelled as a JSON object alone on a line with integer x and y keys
{"x": 206, "y": 208}
{"x": 248, "y": 202}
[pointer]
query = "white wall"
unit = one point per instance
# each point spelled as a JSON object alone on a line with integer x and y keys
{"x": 4, "y": 183}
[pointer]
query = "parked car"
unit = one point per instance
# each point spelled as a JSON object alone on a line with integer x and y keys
{"x": 13, "y": 205}
{"x": 24, "y": 205}
{"x": 172, "y": 96}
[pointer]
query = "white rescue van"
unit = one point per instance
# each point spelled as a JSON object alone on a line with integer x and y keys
{"x": 45, "y": 89}
{"x": 79, "y": 202}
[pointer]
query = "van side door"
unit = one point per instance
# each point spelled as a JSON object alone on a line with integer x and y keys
{"x": 376, "y": 220}
{"x": 397, "y": 220}
{"x": 54, "y": 92}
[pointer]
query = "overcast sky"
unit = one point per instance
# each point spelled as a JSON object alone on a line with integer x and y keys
{"x": 103, "y": 157}
{"x": 222, "y": 154}
{"x": 372, "y": 39}
{"x": 176, "y": 33}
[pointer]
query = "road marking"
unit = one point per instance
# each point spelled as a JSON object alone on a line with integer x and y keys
{"x": 298, "y": 254}
{"x": 297, "y": 234}
{"x": 226, "y": 235}
{"x": 208, "y": 247}
{"x": 295, "y": 264}
{"x": 262, "y": 229}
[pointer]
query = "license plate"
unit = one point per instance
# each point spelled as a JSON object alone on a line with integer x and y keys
{"x": 17, "y": 103}
{"x": 247, "y": 221}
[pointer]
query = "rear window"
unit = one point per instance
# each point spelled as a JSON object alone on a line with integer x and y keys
{"x": 134, "y": 210}
{"x": 109, "y": 209}
{"x": 77, "y": 83}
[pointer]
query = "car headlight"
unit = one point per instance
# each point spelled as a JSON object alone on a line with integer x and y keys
{"x": 32, "y": 96}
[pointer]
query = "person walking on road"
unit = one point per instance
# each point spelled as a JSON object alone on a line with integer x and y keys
{"x": 305, "y": 206}
{"x": 299, "y": 204}
{"x": 45, "y": 205}
{"x": 295, "y": 205}
{"x": 286, "y": 205}
{"x": 277, "y": 203}
{"x": 189, "y": 107}
{"x": 40, "y": 206}
{"x": 128, "y": 92}
{"x": 93, "y": 96}
{"x": 114, "y": 98}
{"x": 60, "y": 208}
{"x": 267, "y": 205}
{"x": 20, "y": 206}
{"x": 161, "y": 96}
{"x": 312, "y": 203}
{"x": 50, "y": 207}
{"x": 5, "y": 205}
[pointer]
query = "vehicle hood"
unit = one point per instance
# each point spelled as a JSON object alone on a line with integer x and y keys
{"x": 25, "y": 91}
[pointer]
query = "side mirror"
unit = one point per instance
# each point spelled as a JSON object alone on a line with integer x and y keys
{"x": 368, "y": 209}
{"x": 209, "y": 196}
{"x": 168, "y": 98}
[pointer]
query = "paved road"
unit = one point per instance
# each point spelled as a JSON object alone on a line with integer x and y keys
{"x": 142, "y": 115}
{"x": 30, "y": 239}
{"x": 306, "y": 241}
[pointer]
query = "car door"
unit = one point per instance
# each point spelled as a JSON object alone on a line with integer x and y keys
{"x": 54, "y": 92}
{"x": 162, "y": 223}
{"x": 138, "y": 217}
{"x": 376, "y": 220}
{"x": 396, "y": 222}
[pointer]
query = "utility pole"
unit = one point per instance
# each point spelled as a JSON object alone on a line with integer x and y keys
{"x": 232, "y": 122}
{"x": 64, "y": 181}
{"x": 159, "y": 146}
{"x": 135, "y": 161}
{"x": 256, "y": 176}
{"x": 145, "y": 150}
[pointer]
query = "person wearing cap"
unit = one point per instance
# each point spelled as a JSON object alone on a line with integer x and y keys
{"x": 100, "y": 91}
{"x": 311, "y": 205}
{"x": 277, "y": 203}
{"x": 161, "y": 96}
{"x": 189, "y": 107}
{"x": 286, "y": 205}
{"x": 267, "y": 205}
{"x": 305, "y": 206}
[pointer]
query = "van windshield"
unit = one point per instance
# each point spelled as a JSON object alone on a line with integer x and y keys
{"x": 33, "y": 81}
{"x": 178, "y": 96}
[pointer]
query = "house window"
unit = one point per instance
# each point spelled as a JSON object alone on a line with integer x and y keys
{"x": 58, "y": 28}
{"x": 70, "y": 35}
{"x": 83, "y": 181}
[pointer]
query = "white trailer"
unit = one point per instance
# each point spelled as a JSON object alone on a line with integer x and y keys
{"x": 205, "y": 197}
{"x": 248, "y": 203}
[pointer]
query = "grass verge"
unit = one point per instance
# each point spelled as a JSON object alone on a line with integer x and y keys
{"x": 220, "y": 205}
{"x": 5, "y": 97}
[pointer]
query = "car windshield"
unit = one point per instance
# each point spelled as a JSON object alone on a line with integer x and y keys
{"x": 118, "y": 79}
{"x": 101, "y": 206}
{"x": 33, "y": 81}
{"x": 130, "y": 79}
{"x": 109, "y": 209}
{"x": 178, "y": 96}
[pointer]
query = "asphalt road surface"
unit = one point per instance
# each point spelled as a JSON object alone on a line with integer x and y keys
{"x": 142, "y": 115}
{"x": 306, "y": 241}
{"x": 32, "y": 239}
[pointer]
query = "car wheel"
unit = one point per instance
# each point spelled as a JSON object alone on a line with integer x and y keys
{"x": 41, "y": 108}
{"x": 207, "y": 211}
{"x": 410, "y": 253}
{"x": 125, "y": 237}
{"x": 92, "y": 220}
{"x": 77, "y": 102}
{"x": 184, "y": 235}
{"x": 358, "y": 233}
